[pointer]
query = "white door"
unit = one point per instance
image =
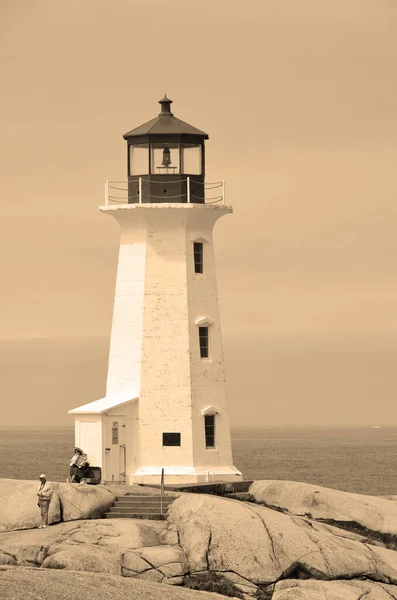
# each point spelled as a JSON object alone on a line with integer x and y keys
{"x": 115, "y": 449}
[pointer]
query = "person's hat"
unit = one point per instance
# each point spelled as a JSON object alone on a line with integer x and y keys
{"x": 42, "y": 476}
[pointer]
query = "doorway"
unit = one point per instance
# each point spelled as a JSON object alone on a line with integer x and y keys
{"x": 115, "y": 449}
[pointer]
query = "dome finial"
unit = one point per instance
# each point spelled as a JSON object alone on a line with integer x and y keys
{"x": 165, "y": 107}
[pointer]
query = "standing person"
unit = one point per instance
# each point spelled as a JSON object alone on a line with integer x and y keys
{"x": 44, "y": 494}
{"x": 78, "y": 465}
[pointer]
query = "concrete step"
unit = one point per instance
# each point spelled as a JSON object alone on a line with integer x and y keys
{"x": 133, "y": 515}
{"x": 136, "y": 508}
{"x": 146, "y": 500}
{"x": 139, "y": 505}
{"x": 143, "y": 498}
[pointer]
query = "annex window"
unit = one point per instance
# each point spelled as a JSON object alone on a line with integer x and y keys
{"x": 204, "y": 342}
{"x": 171, "y": 439}
{"x": 198, "y": 251}
{"x": 209, "y": 423}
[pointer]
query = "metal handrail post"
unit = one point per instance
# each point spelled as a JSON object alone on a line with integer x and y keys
{"x": 162, "y": 491}
{"x": 140, "y": 191}
{"x": 107, "y": 192}
{"x": 188, "y": 189}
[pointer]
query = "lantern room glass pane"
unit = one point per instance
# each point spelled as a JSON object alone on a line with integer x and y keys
{"x": 139, "y": 159}
{"x": 191, "y": 159}
{"x": 165, "y": 159}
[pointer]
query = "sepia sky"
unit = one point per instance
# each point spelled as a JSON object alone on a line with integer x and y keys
{"x": 299, "y": 100}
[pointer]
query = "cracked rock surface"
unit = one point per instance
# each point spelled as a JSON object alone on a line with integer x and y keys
{"x": 37, "y": 584}
{"x": 333, "y": 590}
{"x": 372, "y": 512}
{"x": 262, "y": 546}
{"x": 133, "y": 548}
{"x": 291, "y": 548}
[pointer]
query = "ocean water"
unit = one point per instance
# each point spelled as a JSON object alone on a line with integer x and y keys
{"x": 361, "y": 460}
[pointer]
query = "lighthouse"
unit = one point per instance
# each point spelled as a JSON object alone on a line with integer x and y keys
{"x": 165, "y": 406}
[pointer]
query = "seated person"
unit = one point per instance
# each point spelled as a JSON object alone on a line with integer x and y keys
{"x": 78, "y": 465}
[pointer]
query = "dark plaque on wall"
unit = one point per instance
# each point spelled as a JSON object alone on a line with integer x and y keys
{"x": 171, "y": 439}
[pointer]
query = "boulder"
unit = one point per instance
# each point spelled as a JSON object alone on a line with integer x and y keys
{"x": 18, "y": 505}
{"x": 84, "y": 557}
{"x": 370, "y": 512}
{"x": 83, "y": 501}
{"x": 19, "y": 583}
{"x": 30, "y": 546}
{"x": 106, "y": 546}
{"x": 332, "y": 590}
{"x": 262, "y": 545}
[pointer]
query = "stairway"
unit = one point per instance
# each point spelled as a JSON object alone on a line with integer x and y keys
{"x": 139, "y": 506}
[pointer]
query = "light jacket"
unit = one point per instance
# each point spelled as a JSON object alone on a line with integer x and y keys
{"x": 78, "y": 460}
{"x": 45, "y": 491}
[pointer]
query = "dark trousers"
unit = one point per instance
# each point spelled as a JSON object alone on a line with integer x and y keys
{"x": 77, "y": 473}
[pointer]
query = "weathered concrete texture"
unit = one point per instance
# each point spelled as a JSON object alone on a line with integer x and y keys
{"x": 262, "y": 545}
{"x": 372, "y": 512}
{"x": 34, "y": 584}
{"x": 18, "y": 505}
{"x": 83, "y": 501}
{"x": 333, "y": 590}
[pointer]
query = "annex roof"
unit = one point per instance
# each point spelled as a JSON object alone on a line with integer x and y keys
{"x": 99, "y": 406}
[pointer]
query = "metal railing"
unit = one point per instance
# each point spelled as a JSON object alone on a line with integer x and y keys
{"x": 162, "y": 491}
{"x": 116, "y": 192}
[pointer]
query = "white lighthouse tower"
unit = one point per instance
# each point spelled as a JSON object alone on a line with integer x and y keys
{"x": 165, "y": 405}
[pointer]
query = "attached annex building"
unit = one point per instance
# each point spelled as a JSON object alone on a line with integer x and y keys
{"x": 165, "y": 404}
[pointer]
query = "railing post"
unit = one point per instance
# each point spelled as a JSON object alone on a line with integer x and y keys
{"x": 107, "y": 192}
{"x": 140, "y": 190}
{"x": 223, "y": 192}
{"x": 162, "y": 491}
{"x": 188, "y": 189}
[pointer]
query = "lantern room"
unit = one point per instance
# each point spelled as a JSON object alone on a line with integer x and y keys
{"x": 166, "y": 160}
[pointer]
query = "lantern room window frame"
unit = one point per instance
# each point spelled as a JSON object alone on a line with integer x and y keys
{"x": 164, "y": 141}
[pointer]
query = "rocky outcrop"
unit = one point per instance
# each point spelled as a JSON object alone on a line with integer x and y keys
{"x": 83, "y": 501}
{"x": 370, "y": 512}
{"x": 333, "y": 590}
{"x": 143, "y": 549}
{"x": 286, "y": 547}
{"x": 18, "y": 505}
{"x": 23, "y": 583}
{"x": 260, "y": 546}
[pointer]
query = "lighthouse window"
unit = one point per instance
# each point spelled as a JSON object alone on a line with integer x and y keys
{"x": 164, "y": 159}
{"x": 198, "y": 257}
{"x": 204, "y": 342}
{"x": 191, "y": 159}
{"x": 209, "y": 423}
{"x": 171, "y": 439}
{"x": 139, "y": 159}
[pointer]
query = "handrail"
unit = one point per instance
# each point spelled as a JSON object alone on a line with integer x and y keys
{"x": 124, "y": 198}
{"x": 162, "y": 491}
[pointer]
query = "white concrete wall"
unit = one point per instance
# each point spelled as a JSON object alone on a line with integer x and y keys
{"x": 207, "y": 375}
{"x": 124, "y": 371}
{"x": 154, "y": 348}
{"x": 165, "y": 399}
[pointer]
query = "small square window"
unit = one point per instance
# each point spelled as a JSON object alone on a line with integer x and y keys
{"x": 198, "y": 257}
{"x": 209, "y": 423}
{"x": 171, "y": 439}
{"x": 204, "y": 342}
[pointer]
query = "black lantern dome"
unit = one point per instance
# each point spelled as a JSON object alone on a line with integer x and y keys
{"x": 166, "y": 160}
